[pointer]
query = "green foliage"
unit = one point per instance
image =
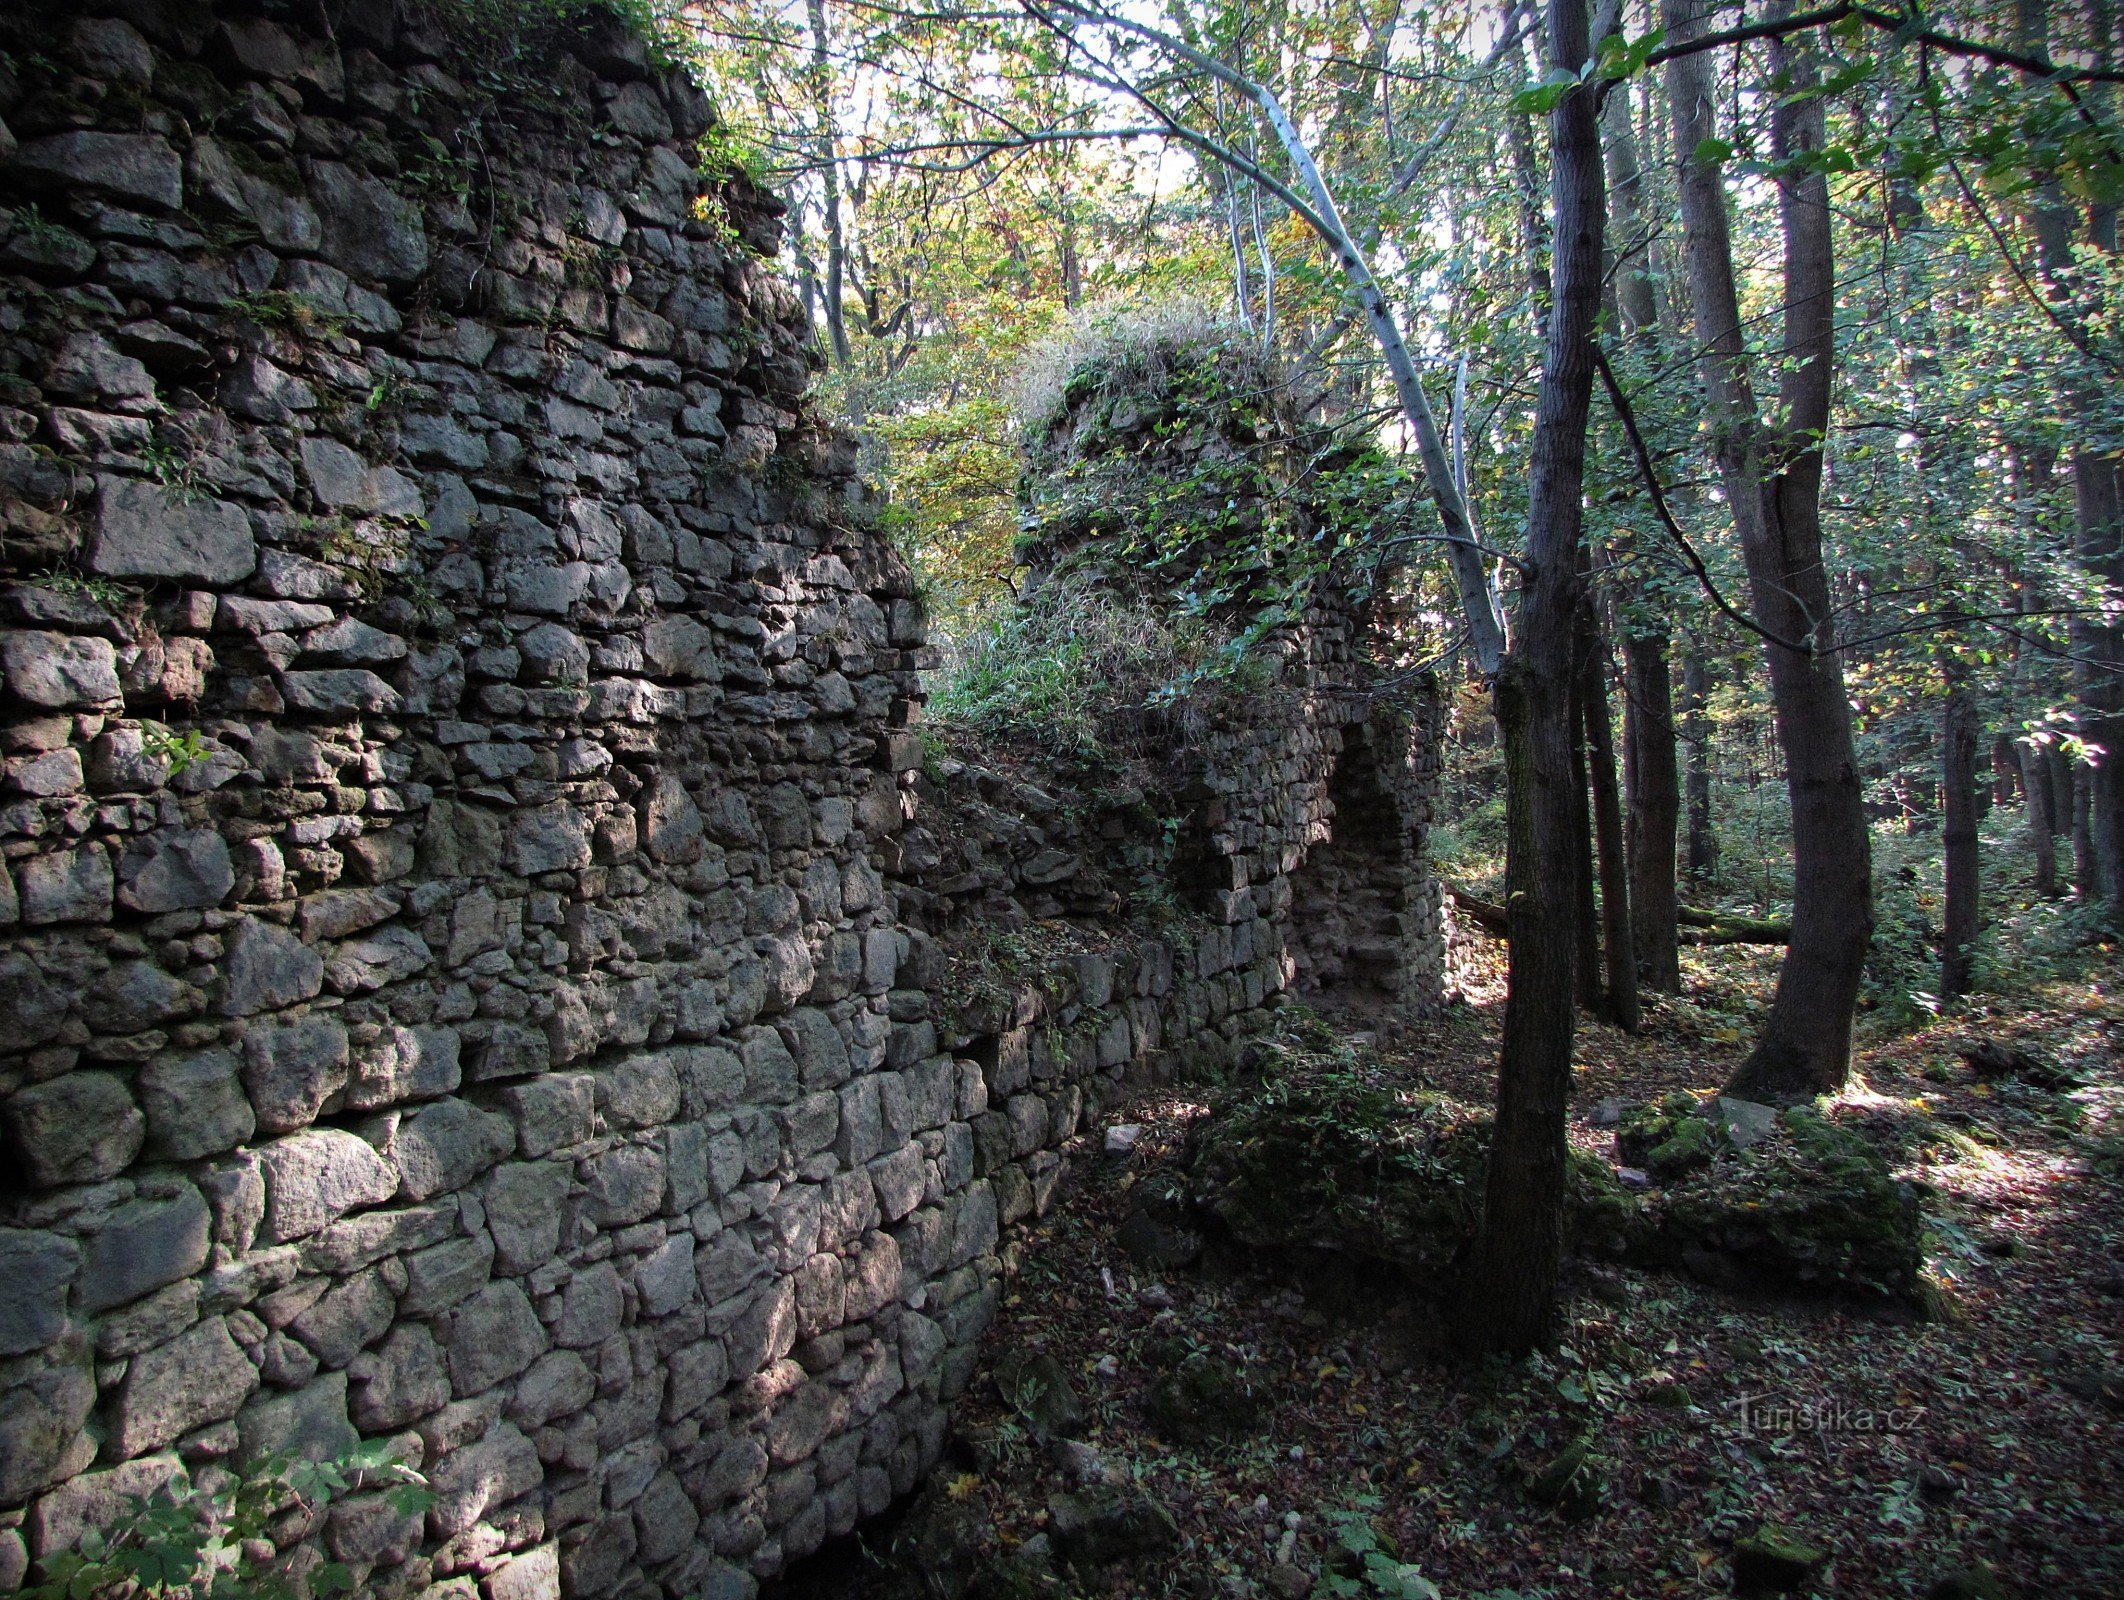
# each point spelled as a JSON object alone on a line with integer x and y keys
{"x": 180, "y": 751}
{"x": 1361, "y": 1563}
{"x": 1079, "y": 672}
{"x": 216, "y": 1540}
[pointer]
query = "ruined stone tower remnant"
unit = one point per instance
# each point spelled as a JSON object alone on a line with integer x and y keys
{"x": 448, "y": 990}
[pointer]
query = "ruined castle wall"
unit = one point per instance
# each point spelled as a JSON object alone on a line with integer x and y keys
{"x": 450, "y": 990}
{"x": 1106, "y": 930}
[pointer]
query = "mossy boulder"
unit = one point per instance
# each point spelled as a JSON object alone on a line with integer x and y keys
{"x": 1814, "y": 1206}
{"x": 1202, "y": 1401}
{"x": 1775, "y": 1560}
{"x": 1342, "y": 1166}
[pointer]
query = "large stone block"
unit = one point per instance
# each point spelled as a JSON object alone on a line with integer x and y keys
{"x": 144, "y": 532}
{"x": 264, "y": 967}
{"x": 315, "y": 1177}
{"x": 135, "y": 168}
{"x": 491, "y": 1337}
{"x": 81, "y": 1128}
{"x": 141, "y": 1246}
{"x": 443, "y": 1146}
{"x": 200, "y": 1376}
{"x": 59, "y": 671}
{"x": 35, "y": 1270}
{"x": 291, "y": 1068}
{"x": 195, "y": 1104}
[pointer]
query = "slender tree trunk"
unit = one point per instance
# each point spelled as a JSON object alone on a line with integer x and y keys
{"x": 825, "y": 136}
{"x": 1655, "y": 807}
{"x": 1654, "y": 802}
{"x": 1510, "y": 1299}
{"x": 2042, "y": 819}
{"x": 1585, "y": 905}
{"x": 2098, "y": 515}
{"x": 2078, "y": 789}
{"x": 1619, "y": 955}
{"x": 2005, "y": 770}
{"x": 2064, "y": 777}
{"x": 1773, "y": 487}
{"x": 1696, "y": 730}
{"x": 1958, "y": 818}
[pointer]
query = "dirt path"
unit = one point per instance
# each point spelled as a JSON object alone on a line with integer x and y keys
{"x": 1903, "y": 1449}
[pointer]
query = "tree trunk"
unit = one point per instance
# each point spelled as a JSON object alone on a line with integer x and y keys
{"x": 1585, "y": 985}
{"x": 1773, "y": 487}
{"x": 1510, "y": 1299}
{"x": 826, "y": 137}
{"x": 2098, "y": 519}
{"x": 2079, "y": 795}
{"x": 1654, "y": 802}
{"x": 1958, "y": 817}
{"x": 1619, "y": 955}
{"x": 2042, "y": 831}
{"x": 2005, "y": 770}
{"x": 1655, "y": 807}
{"x": 1696, "y": 730}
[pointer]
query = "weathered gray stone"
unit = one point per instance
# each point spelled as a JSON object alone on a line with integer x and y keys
{"x": 641, "y": 1093}
{"x": 195, "y": 1106}
{"x": 552, "y": 1111}
{"x": 35, "y": 1269}
{"x": 290, "y": 1069}
{"x": 310, "y": 1424}
{"x": 136, "y": 995}
{"x": 67, "y": 886}
{"x": 198, "y": 1377}
{"x": 402, "y": 1064}
{"x": 665, "y": 1279}
{"x": 144, "y": 531}
{"x": 472, "y": 1480}
{"x": 343, "y": 480}
{"x": 31, "y": 1010}
{"x": 81, "y": 1128}
{"x": 439, "y": 1277}
{"x": 40, "y": 1421}
{"x": 264, "y": 968}
{"x": 388, "y": 955}
{"x": 399, "y": 1382}
{"x": 443, "y": 1146}
{"x": 524, "y": 1211}
{"x": 549, "y": 838}
{"x": 558, "y": 1384}
{"x": 141, "y": 1246}
{"x": 59, "y": 671}
{"x": 590, "y": 1308}
{"x": 625, "y": 1185}
{"x": 369, "y": 231}
{"x": 492, "y": 1336}
{"x": 338, "y": 691}
{"x": 671, "y": 823}
{"x": 315, "y": 1177}
{"x": 175, "y": 870}
{"x": 351, "y": 1316}
{"x": 138, "y": 168}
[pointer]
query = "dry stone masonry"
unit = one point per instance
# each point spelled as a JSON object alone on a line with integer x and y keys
{"x": 466, "y": 978}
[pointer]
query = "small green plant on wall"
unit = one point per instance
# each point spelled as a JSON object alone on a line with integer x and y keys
{"x": 183, "y": 1540}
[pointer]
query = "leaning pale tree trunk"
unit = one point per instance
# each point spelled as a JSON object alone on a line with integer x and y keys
{"x": 1509, "y": 1300}
{"x": 1314, "y": 201}
{"x": 1773, "y": 488}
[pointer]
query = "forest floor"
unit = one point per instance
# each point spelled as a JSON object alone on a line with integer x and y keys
{"x": 1906, "y": 1450}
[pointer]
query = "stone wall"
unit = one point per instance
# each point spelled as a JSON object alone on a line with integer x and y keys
{"x": 462, "y": 979}
{"x": 1104, "y": 929}
{"x": 448, "y": 991}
